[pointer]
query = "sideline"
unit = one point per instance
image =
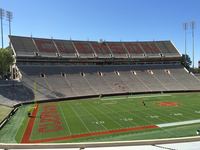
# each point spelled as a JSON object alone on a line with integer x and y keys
{"x": 29, "y": 128}
{"x": 178, "y": 123}
{"x": 144, "y": 96}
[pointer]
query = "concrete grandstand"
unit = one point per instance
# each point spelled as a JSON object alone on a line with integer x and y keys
{"x": 48, "y": 69}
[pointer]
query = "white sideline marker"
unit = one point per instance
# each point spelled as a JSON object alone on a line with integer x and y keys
{"x": 116, "y": 98}
{"x": 178, "y": 123}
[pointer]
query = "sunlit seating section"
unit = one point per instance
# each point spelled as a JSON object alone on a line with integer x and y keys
{"x": 66, "y": 48}
{"x": 84, "y": 49}
{"x": 23, "y": 46}
{"x": 101, "y": 49}
{"x": 46, "y": 47}
{"x": 117, "y": 49}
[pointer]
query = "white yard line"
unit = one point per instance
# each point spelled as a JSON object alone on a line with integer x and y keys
{"x": 64, "y": 118}
{"x": 116, "y": 98}
{"x": 107, "y": 116}
{"x": 79, "y": 118}
{"x": 178, "y": 123}
{"x": 94, "y": 117}
{"x": 112, "y": 111}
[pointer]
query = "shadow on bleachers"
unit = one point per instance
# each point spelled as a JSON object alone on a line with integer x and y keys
{"x": 15, "y": 91}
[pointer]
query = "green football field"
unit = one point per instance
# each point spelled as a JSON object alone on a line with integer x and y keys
{"x": 132, "y": 117}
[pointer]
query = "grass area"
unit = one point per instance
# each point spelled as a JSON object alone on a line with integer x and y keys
{"x": 11, "y": 131}
{"x": 65, "y": 120}
{"x": 4, "y": 111}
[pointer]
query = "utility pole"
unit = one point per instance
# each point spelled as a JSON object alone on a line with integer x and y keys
{"x": 1, "y": 17}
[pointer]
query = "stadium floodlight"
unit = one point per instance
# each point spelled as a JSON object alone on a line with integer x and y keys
{"x": 185, "y": 27}
{"x": 9, "y": 16}
{"x": 1, "y": 17}
{"x": 193, "y": 27}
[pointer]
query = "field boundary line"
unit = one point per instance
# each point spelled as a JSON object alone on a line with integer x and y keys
{"x": 29, "y": 128}
{"x": 145, "y": 96}
{"x": 178, "y": 123}
{"x": 106, "y": 132}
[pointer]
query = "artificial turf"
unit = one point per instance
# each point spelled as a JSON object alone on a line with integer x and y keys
{"x": 74, "y": 121}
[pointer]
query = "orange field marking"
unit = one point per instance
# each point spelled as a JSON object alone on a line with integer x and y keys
{"x": 27, "y": 133}
{"x": 94, "y": 134}
{"x": 168, "y": 104}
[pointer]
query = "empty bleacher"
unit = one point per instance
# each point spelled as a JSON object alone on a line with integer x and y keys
{"x": 66, "y": 48}
{"x": 197, "y": 75}
{"x": 60, "y": 81}
{"x": 117, "y": 49}
{"x": 46, "y": 47}
{"x": 168, "y": 81}
{"x": 101, "y": 49}
{"x": 134, "y": 49}
{"x": 188, "y": 80}
{"x": 11, "y": 92}
{"x": 132, "y": 81}
{"x": 167, "y": 48}
{"x": 28, "y": 46}
{"x": 23, "y": 46}
{"x": 84, "y": 49}
{"x": 66, "y": 68}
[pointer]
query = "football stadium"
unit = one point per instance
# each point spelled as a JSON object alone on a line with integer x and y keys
{"x": 88, "y": 93}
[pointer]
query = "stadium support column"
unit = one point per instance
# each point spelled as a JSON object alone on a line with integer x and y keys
{"x": 1, "y": 17}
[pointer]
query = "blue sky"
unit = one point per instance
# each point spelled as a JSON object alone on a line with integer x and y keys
{"x": 126, "y": 20}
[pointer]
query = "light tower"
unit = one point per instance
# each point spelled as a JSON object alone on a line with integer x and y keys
{"x": 185, "y": 27}
{"x": 9, "y": 16}
{"x": 1, "y": 17}
{"x": 193, "y": 27}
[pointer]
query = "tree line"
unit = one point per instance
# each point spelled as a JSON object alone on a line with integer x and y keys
{"x": 6, "y": 60}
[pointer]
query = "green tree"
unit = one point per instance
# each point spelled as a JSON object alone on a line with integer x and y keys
{"x": 6, "y": 60}
{"x": 186, "y": 61}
